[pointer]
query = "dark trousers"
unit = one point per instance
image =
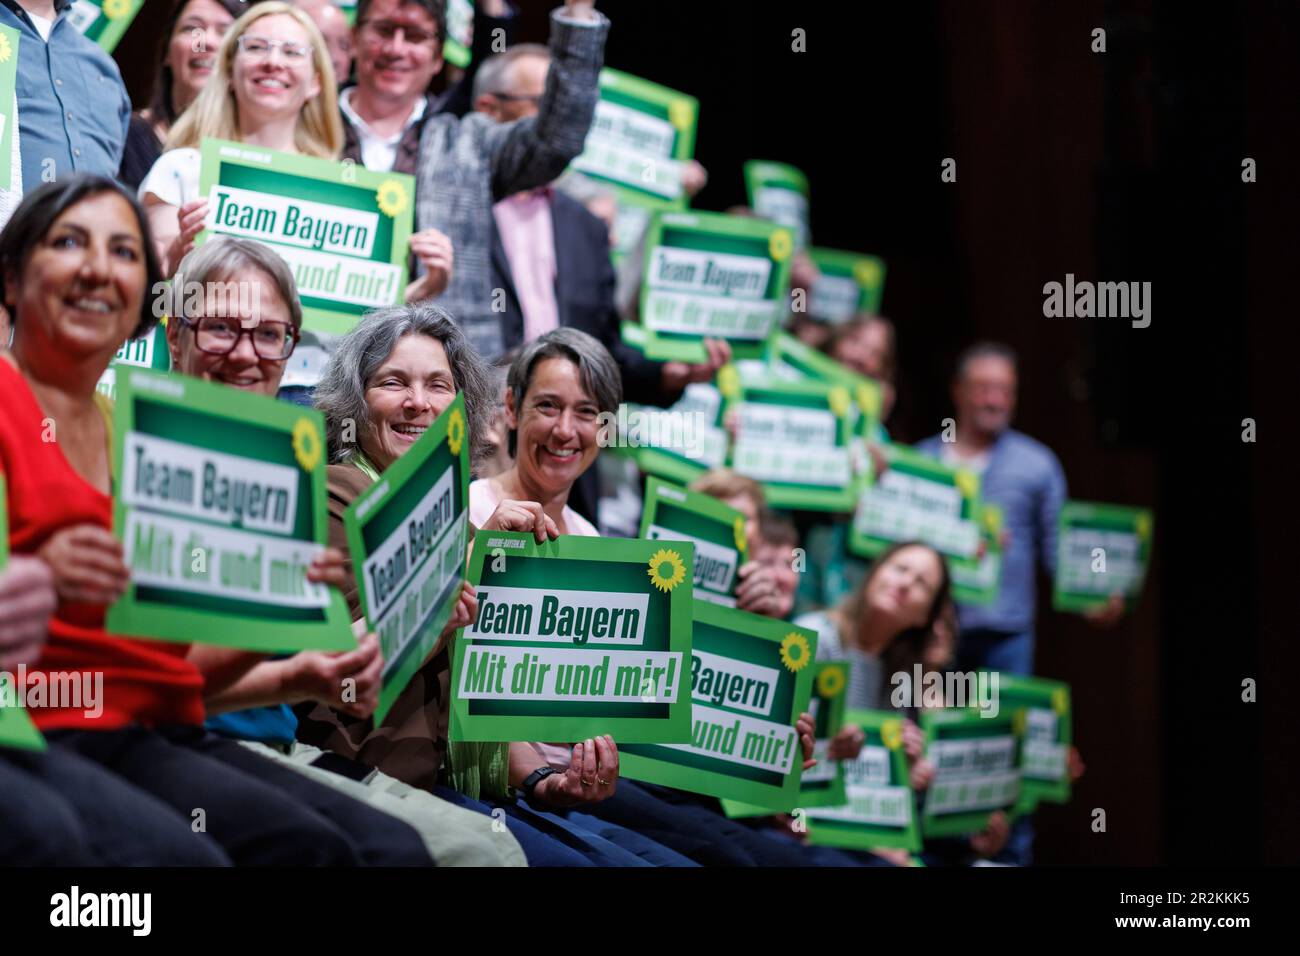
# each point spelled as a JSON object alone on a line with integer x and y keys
{"x": 60, "y": 809}
{"x": 696, "y": 827}
{"x": 258, "y": 812}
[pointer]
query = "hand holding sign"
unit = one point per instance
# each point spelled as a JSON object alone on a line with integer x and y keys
{"x": 522, "y": 516}
{"x": 27, "y": 600}
{"x": 437, "y": 256}
{"x": 87, "y": 564}
{"x": 190, "y": 218}
{"x": 330, "y": 567}
{"x": 320, "y": 677}
{"x": 847, "y": 744}
{"x": 806, "y": 726}
{"x": 591, "y": 777}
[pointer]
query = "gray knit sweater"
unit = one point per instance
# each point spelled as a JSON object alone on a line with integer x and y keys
{"x": 467, "y": 164}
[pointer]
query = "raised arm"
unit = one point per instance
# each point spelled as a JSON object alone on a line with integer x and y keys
{"x": 531, "y": 152}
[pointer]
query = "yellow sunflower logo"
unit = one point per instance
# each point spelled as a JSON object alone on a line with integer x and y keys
{"x": 868, "y": 397}
{"x": 306, "y": 444}
{"x": 992, "y": 520}
{"x": 891, "y": 733}
{"x": 1143, "y": 526}
{"x": 738, "y": 529}
{"x": 680, "y": 113}
{"x": 967, "y": 483}
{"x": 830, "y": 682}
{"x": 729, "y": 381}
{"x": 666, "y": 570}
{"x": 867, "y": 273}
{"x": 1060, "y": 700}
{"x": 455, "y": 431}
{"x": 794, "y": 652}
{"x": 1018, "y": 722}
{"x": 780, "y": 245}
{"x": 113, "y": 9}
{"x": 839, "y": 399}
{"x": 6, "y": 51}
{"x": 391, "y": 197}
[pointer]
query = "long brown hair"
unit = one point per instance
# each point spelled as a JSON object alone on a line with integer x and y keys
{"x": 161, "y": 109}
{"x": 905, "y": 649}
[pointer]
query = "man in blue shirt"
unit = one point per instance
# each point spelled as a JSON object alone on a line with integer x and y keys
{"x": 1025, "y": 479}
{"x": 73, "y": 110}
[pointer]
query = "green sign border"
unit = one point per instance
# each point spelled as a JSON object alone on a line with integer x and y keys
{"x": 674, "y": 728}
{"x": 405, "y": 471}
{"x": 1113, "y": 517}
{"x": 129, "y": 616}
{"x": 642, "y": 762}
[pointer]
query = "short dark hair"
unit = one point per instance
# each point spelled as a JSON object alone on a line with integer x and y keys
{"x": 434, "y": 8}
{"x": 981, "y": 350}
{"x": 33, "y": 218}
{"x": 597, "y": 370}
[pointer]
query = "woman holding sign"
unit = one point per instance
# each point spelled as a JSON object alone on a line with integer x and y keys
{"x": 273, "y": 87}
{"x": 556, "y": 391}
{"x": 75, "y": 261}
{"x": 389, "y": 379}
{"x": 897, "y": 618}
{"x": 227, "y": 341}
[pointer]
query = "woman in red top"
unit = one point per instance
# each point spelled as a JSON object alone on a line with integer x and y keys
{"x": 75, "y": 262}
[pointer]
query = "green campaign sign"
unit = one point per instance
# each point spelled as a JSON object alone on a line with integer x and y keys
{"x": 918, "y": 498}
{"x": 976, "y": 770}
{"x": 879, "y": 809}
{"x": 220, "y": 506}
{"x": 9, "y": 41}
{"x": 779, "y": 192}
{"x": 460, "y": 32}
{"x": 148, "y": 351}
{"x": 791, "y": 359}
{"x": 574, "y": 638}
{"x": 1041, "y": 710}
{"x": 641, "y": 136}
{"x": 16, "y": 728}
{"x": 104, "y": 21}
{"x": 750, "y": 680}
{"x": 716, "y": 530}
{"x": 407, "y": 534}
{"x": 823, "y": 785}
{"x": 708, "y": 275}
{"x": 976, "y": 580}
{"x": 794, "y": 438}
{"x": 679, "y": 443}
{"x": 1101, "y": 550}
{"x": 343, "y": 229}
{"x": 850, "y": 283}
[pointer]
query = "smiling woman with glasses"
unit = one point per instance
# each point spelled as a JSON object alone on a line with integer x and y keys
{"x": 239, "y": 317}
{"x": 273, "y": 86}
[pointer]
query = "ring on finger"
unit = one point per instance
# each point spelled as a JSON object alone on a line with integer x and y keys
{"x": 586, "y": 782}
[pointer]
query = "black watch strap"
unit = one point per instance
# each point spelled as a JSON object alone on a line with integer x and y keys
{"x": 533, "y": 779}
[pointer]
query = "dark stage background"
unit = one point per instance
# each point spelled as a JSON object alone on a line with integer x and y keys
{"x": 1115, "y": 166}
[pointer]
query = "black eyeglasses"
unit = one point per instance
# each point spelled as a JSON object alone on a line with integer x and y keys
{"x": 219, "y": 335}
{"x": 386, "y": 29}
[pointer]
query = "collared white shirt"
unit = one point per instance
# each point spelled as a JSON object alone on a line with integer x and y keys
{"x": 378, "y": 152}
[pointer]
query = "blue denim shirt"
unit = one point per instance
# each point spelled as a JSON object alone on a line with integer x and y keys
{"x": 1025, "y": 478}
{"x": 73, "y": 110}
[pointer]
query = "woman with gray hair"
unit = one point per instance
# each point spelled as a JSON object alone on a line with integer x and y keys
{"x": 388, "y": 380}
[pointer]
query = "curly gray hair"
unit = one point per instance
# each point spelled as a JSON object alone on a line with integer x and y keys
{"x": 341, "y": 394}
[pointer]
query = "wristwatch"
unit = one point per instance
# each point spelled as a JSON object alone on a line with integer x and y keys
{"x": 533, "y": 779}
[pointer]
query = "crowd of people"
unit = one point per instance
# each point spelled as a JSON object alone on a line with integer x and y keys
{"x": 204, "y": 755}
